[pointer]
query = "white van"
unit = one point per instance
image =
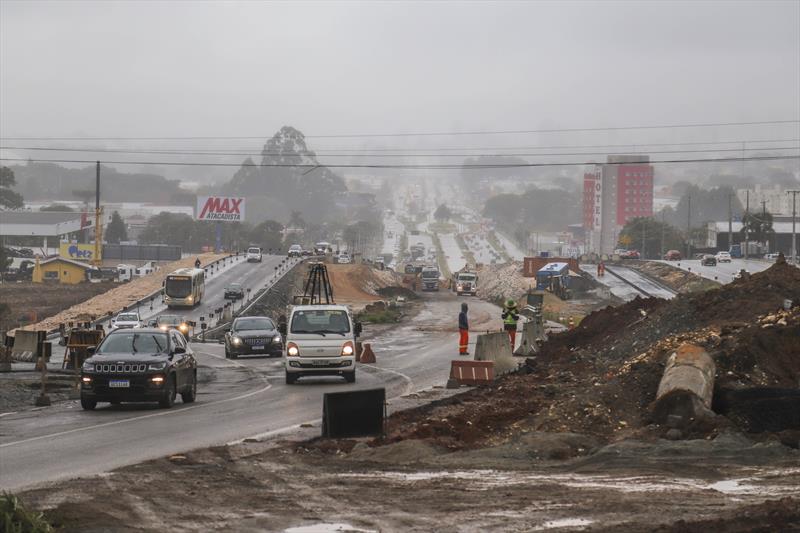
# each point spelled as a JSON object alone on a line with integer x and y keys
{"x": 254, "y": 255}
{"x": 125, "y": 272}
{"x": 320, "y": 341}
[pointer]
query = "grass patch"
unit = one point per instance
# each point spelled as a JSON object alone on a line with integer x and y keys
{"x": 442, "y": 227}
{"x": 495, "y": 242}
{"x": 385, "y": 316}
{"x": 15, "y": 518}
{"x": 470, "y": 258}
{"x": 440, "y": 258}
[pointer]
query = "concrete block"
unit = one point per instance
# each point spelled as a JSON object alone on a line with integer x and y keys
{"x": 496, "y": 347}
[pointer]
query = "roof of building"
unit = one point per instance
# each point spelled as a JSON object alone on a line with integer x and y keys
{"x": 57, "y": 258}
{"x": 779, "y": 227}
{"x": 37, "y": 217}
{"x": 553, "y": 267}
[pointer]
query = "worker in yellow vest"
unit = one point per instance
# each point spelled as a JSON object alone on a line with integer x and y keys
{"x": 510, "y": 317}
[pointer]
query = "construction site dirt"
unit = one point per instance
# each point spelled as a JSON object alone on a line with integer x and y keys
{"x": 567, "y": 443}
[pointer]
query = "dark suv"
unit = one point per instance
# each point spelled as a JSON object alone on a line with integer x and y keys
{"x": 253, "y": 335}
{"x": 708, "y": 260}
{"x": 139, "y": 365}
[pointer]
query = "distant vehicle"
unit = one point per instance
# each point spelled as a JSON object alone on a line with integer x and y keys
{"x": 409, "y": 268}
{"x": 343, "y": 259}
{"x": 184, "y": 287}
{"x": 465, "y": 282}
{"x": 142, "y": 365}
{"x": 672, "y": 255}
{"x": 322, "y": 247}
{"x": 629, "y": 254}
{"x": 254, "y": 254}
{"x": 126, "y": 320}
{"x": 736, "y": 251}
{"x": 306, "y": 253}
{"x": 295, "y": 250}
{"x": 723, "y": 257}
{"x": 234, "y": 291}
{"x": 430, "y": 279}
{"x": 125, "y": 272}
{"x": 708, "y": 260}
{"x": 321, "y": 341}
{"x": 380, "y": 264}
{"x": 619, "y": 251}
{"x": 167, "y": 322}
{"x": 253, "y": 335}
{"x": 771, "y": 257}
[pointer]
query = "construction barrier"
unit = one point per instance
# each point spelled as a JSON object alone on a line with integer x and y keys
{"x": 496, "y": 347}
{"x": 367, "y": 355}
{"x": 532, "y": 337}
{"x": 353, "y": 414}
{"x": 28, "y": 345}
{"x": 471, "y": 372}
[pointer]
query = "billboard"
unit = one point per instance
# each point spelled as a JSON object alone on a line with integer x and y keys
{"x": 78, "y": 252}
{"x": 220, "y": 208}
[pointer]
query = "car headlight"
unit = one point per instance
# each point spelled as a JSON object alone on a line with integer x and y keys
{"x": 163, "y": 328}
{"x": 184, "y": 328}
{"x": 157, "y": 366}
{"x": 276, "y": 338}
{"x": 190, "y": 299}
{"x": 293, "y": 350}
{"x": 236, "y": 341}
{"x": 347, "y": 349}
{"x": 88, "y": 367}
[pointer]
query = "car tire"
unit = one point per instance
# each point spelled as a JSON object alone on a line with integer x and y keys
{"x": 170, "y": 393}
{"x": 227, "y": 354}
{"x": 115, "y": 402}
{"x": 87, "y": 404}
{"x": 190, "y": 395}
{"x": 290, "y": 378}
{"x": 350, "y": 377}
{"x": 233, "y": 356}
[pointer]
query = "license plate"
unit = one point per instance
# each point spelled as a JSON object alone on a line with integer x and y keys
{"x": 119, "y": 384}
{"x": 319, "y": 362}
{"x": 258, "y": 346}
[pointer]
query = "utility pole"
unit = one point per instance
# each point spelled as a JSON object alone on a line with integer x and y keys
{"x": 730, "y": 221}
{"x": 662, "y": 233}
{"x": 794, "y": 194}
{"x": 689, "y": 228}
{"x": 763, "y": 219}
{"x": 98, "y": 225}
{"x": 745, "y": 221}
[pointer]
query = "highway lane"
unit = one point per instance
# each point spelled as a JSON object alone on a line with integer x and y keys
{"x": 722, "y": 272}
{"x": 236, "y": 399}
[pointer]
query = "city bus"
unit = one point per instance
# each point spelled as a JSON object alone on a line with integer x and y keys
{"x": 184, "y": 287}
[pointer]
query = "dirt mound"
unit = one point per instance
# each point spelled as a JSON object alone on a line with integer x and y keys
{"x": 600, "y": 378}
{"x": 358, "y": 284}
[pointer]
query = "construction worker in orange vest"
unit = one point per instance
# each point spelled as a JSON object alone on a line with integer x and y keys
{"x": 463, "y": 330}
{"x": 510, "y": 318}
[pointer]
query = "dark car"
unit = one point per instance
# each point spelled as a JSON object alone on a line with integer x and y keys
{"x": 166, "y": 322}
{"x": 234, "y": 291}
{"x": 708, "y": 260}
{"x": 139, "y": 365}
{"x": 252, "y": 335}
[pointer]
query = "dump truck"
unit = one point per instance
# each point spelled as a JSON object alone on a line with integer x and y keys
{"x": 465, "y": 282}
{"x": 430, "y": 278}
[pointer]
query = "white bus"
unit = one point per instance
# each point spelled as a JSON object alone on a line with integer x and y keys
{"x": 184, "y": 287}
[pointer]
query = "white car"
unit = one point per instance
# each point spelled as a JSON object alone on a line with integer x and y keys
{"x": 126, "y": 319}
{"x": 295, "y": 250}
{"x": 723, "y": 257}
{"x": 254, "y": 255}
{"x": 344, "y": 259}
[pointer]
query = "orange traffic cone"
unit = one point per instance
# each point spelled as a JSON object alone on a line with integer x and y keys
{"x": 571, "y": 323}
{"x": 367, "y": 355}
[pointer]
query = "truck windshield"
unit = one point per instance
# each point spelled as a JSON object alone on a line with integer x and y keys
{"x": 466, "y": 277}
{"x": 322, "y": 321}
{"x": 178, "y": 287}
{"x": 254, "y": 250}
{"x": 134, "y": 342}
{"x": 127, "y": 318}
{"x": 430, "y": 274}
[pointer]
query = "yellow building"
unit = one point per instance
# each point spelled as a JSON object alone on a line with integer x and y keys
{"x": 60, "y": 269}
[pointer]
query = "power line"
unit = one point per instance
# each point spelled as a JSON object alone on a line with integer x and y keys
{"x": 299, "y": 154}
{"x": 413, "y": 166}
{"x": 426, "y": 134}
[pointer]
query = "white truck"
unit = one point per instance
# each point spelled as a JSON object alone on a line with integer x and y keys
{"x": 254, "y": 254}
{"x": 465, "y": 282}
{"x": 430, "y": 278}
{"x": 320, "y": 341}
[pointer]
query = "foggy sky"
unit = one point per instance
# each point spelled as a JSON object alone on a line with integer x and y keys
{"x": 213, "y": 68}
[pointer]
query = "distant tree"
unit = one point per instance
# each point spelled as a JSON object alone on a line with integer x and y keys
{"x": 296, "y": 220}
{"x": 267, "y": 235}
{"x": 116, "y": 231}
{"x": 5, "y": 260}
{"x": 361, "y": 235}
{"x": 706, "y": 204}
{"x": 8, "y": 199}
{"x": 648, "y": 231}
{"x": 57, "y": 208}
{"x": 442, "y": 213}
{"x": 757, "y": 226}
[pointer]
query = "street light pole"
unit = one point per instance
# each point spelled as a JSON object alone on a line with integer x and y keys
{"x": 689, "y": 228}
{"x": 794, "y": 194}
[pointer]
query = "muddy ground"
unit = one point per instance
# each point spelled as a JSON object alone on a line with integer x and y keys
{"x": 31, "y": 302}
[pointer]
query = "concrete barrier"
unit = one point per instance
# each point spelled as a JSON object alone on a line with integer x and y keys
{"x": 27, "y": 345}
{"x": 471, "y": 372}
{"x": 532, "y": 337}
{"x": 496, "y": 347}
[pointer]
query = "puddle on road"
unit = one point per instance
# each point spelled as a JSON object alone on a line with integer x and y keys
{"x": 564, "y": 522}
{"x": 328, "y": 528}
{"x": 489, "y": 479}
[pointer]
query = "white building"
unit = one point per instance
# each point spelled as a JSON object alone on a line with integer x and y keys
{"x": 777, "y": 201}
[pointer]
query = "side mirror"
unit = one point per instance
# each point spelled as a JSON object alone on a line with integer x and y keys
{"x": 179, "y": 349}
{"x": 282, "y": 329}
{"x": 91, "y": 349}
{"x": 357, "y": 328}
{"x": 227, "y": 330}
